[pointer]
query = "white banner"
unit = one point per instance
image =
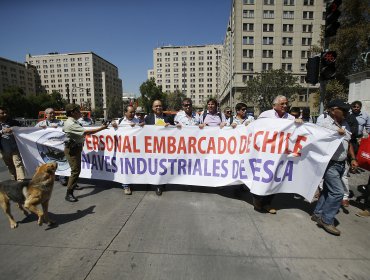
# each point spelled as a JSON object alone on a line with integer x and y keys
{"x": 269, "y": 156}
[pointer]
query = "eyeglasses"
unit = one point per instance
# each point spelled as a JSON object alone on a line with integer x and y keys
{"x": 243, "y": 109}
{"x": 229, "y": 112}
{"x": 187, "y": 105}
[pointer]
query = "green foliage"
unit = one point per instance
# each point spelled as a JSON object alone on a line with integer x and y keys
{"x": 264, "y": 87}
{"x": 352, "y": 38}
{"x": 150, "y": 92}
{"x": 335, "y": 90}
{"x": 21, "y": 105}
{"x": 173, "y": 100}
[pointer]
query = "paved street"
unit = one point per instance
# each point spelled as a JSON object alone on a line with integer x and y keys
{"x": 210, "y": 233}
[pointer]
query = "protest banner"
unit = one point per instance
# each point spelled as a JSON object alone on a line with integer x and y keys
{"x": 269, "y": 156}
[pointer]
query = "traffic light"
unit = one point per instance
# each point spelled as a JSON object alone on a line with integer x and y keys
{"x": 312, "y": 66}
{"x": 327, "y": 70}
{"x": 331, "y": 18}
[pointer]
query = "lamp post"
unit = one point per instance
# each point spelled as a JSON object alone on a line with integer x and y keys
{"x": 231, "y": 66}
{"x": 217, "y": 75}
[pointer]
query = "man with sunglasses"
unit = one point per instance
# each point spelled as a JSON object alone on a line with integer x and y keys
{"x": 187, "y": 117}
{"x": 228, "y": 113}
{"x": 333, "y": 189}
{"x": 241, "y": 116}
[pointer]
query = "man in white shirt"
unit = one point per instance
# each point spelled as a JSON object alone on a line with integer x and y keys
{"x": 278, "y": 111}
{"x": 128, "y": 120}
{"x": 187, "y": 117}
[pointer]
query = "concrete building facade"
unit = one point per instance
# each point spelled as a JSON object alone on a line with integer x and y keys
{"x": 87, "y": 78}
{"x": 268, "y": 34}
{"x": 15, "y": 74}
{"x": 193, "y": 70}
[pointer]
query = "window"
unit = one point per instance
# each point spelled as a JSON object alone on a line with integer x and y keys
{"x": 288, "y": 14}
{"x": 288, "y": 2}
{"x": 267, "y": 53}
{"x": 248, "y": 27}
{"x": 287, "y": 41}
{"x": 268, "y": 27}
{"x": 248, "y": 40}
{"x": 247, "y": 78}
{"x": 286, "y": 54}
{"x": 248, "y": 53}
{"x": 268, "y": 40}
{"x": 248, "y": 13}
{"x": 266, "y": 66}
{"x": 307, "y": 28}
{"x": 306, "y": 41}
{"x": 305, "y": 54}
{"x": 247, "y": 66}
{"x": 303, "y": 67}
{"x": 307, "y": 15}
{"x": 287, "y": 27}
{"x": 287, "y": 67}
{"x": 269, "y": 2}
{"x": 308, "y": 2}
{"x": 248, "y": 2}
{"x": 268, "y": 14}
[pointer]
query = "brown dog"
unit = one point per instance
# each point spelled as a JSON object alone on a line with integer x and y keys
{"x": 30, "y": 193}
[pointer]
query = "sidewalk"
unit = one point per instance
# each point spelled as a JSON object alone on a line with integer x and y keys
{"x": 210, "y": 233}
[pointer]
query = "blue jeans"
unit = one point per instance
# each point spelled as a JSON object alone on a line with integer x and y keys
{"x": 332, "y": 194}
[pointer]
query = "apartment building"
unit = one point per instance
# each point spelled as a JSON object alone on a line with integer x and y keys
{"x": 84, "y": 78}
{"x": 268, "y": 34}
{"x": 15, "y": 74}
{"x": 193, "y": 70}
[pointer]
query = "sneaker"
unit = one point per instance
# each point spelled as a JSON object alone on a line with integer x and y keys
{"x": 328, "y": 228}
{"x": 345, "y": 202}
{"x": 127, "y": 191}
{"x": 363, "y": 214}
{"x": 269, "y": 209}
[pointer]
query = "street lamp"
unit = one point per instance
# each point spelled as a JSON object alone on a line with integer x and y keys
{"x": 229, "y": 30}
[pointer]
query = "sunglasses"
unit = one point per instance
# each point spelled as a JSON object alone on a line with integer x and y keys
{"x": 229, "y": 112}
{"x": 186, "y": 105}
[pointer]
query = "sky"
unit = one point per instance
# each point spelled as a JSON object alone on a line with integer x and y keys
{"x": 120, "y": 31}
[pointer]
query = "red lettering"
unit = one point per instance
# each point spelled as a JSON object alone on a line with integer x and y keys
{"x": 286, "y": 151}
{"x": 249, "y": 142}
{"x": 102, "y": 144}
{"x": 298, "y": 146}
{"x": 171, "y": 149}
{"x": 231, "y": 149}
{"x": 211, "y": 146}
{"x": 95, "y": 141}
{"x": 117, "y": 143}
{"x": 182, "y": 147}
{"x": 257, "y": 148}
{"x": 200, "y": 149}
{"x": 221, "y": 145}
{"x": 88, "y": 142}
{"x": 148, "y": 144}
{"x": 267, "y": 141}
{"x": 281, "y": 141}
{"x": 126, "y": 148}
{"x": 159, "y": 145}
{"x": 109, "y": 142}
{"x": 192, "y": 141}
{"x": 136, "y": 150}
{"x": 243, "y": 144}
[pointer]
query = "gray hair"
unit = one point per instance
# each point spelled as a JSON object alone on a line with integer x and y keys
{"x": 47, "y": 110}
{"x": 277, "y": 98}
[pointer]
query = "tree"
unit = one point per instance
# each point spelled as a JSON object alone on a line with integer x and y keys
{"x": 150, "y": 92}
{"x": 14, "y": 99}
{"x": 263, "y": 88}
{"x": 173, "y": 100}
{"x": 335, "y": 90}
{"x": 352, "y": 38}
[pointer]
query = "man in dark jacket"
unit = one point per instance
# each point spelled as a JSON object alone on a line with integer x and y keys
{"x": 158, "y": 118}
{"x": 8, "y": 146}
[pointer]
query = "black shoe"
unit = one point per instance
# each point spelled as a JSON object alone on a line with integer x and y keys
{"x": 158, "y": 191}
{"x": 70, "y": 197}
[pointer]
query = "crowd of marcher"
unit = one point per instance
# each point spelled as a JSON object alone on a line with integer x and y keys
{"x": 349, "y": 121}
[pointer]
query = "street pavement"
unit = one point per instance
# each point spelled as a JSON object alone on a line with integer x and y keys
{"x": 209, "y": 233}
